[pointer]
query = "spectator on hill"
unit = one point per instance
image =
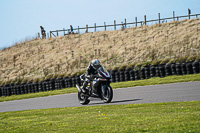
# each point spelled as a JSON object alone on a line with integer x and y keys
{"x": 71, "y": 29}
{"x": 43, "y": 32}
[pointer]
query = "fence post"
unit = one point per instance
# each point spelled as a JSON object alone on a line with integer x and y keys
{"x": 145, "y": 20}
{"x": 124, "y": 23}
{"x": 105, "y": 25}
{"x": 114, "y": 25}
{"x": 50, "y": 34}
{"x": 57, "y": 33}
{"x": 135, "y": 21}
{"x": 78, "y": 29}
{"x": 38, "y": 35}
{"x": 64, "y": 31}
{"x": 174, "y": 15}
{"x": 86, "y": 29}
{"x": 189, "y": 12}
{"x": 159, "y": 18}
{"x": 95, "y": 27}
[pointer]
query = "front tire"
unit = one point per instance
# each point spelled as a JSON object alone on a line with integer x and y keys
{"x": 109, "y": 95}
{"x": 83, "y": 99}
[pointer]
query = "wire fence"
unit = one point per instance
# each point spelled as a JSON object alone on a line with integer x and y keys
{"x": 117, "y": 26}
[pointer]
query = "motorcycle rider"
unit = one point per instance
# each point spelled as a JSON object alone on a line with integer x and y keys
{"x": 91, "y": 70}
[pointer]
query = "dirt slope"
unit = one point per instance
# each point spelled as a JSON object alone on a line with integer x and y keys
{"x": 70, "y": 54}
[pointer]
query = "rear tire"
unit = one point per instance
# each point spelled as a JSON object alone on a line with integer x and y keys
{"x": 109, "y": 95}
{"x": 83, "y": 99}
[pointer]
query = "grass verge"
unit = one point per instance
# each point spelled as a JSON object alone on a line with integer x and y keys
{"x": 151, "y": 81}
{"x": 158, "y": 117}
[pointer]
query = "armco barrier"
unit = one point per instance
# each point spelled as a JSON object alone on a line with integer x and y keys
{"x": 15, "y": 92}
{"x": 152, "y": 71}
{"x": 36, "y": 87}
{"x": 117, "y": 76}
{"x": 69, "y": 82}
{"x": 183, "y": 68}
{"x": 147, "y": 72}
{"x": 162, "y": 70}
{"x": 25, "y": 88}
{"x": 32, "y": 88}
{"x": 78, "y": 80}
{"x": 178, "y": 69}
{"x": 136, "y": 72}
{"x": 132, "y": 75}
{"x": 121, "y": 76}
{"x": 157, "y": 71}
{"x": 168, "y": 71}
{"x": 44, "y": 86}
{"x": 189, "y": 68}
{"x": 29, "y": 88}
{"x": 40, "y": 87}
{"x": 173, "y": 68}
{"x": 0, "y": 91}
{"x": 74, "y": 81}
{"x": 66, "y": 82}
{"x": 112, "y": 72}
{"x": 142, "y": 73}
{"x": 195, "y": 66}
{"x": 127, "y": 75}
{"x": 60, "y": 83}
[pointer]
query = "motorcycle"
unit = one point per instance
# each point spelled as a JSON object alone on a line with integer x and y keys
{"x": 98, "y": 87}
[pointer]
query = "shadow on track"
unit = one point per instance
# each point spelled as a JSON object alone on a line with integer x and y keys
{"x": 120, "y": 101}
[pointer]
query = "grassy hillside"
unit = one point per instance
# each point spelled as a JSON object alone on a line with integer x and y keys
{"x": 169, "y": 42}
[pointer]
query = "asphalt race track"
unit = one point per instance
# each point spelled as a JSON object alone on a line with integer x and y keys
{"x": 176, "y": 92}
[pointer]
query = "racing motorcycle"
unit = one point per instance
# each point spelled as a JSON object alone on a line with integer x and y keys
{"x": 98, "y": 87}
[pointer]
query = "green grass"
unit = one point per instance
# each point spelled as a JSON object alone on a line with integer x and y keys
{"x": 151, "y": 81}
{"x": 177, "y": 117}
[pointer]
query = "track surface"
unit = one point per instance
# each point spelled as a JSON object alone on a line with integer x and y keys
{"x": 176, "y": 92}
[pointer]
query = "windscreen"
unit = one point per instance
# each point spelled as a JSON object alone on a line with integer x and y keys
{"x": 103, "y": 69}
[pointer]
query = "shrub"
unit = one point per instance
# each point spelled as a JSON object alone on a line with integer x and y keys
{"x": 191, "y": 59}
{"x": 197, "y": 58}
{"x": 164, "y": 61}
{"x": 172, "y": 61}
{"x": 122, "y": 67}
{"x": 181, "y": 60}
{"x": 155, "y": 62}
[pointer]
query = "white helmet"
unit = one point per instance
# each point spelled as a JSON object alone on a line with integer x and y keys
{"x": 95, "y": 64}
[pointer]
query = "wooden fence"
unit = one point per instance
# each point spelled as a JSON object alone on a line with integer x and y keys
{"x": 123, "y": 24}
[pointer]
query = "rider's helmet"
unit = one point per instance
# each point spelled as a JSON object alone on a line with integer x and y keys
{"x": 95, "y": 64}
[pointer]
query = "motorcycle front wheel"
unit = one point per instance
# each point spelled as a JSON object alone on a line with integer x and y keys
{"x": 83, "y": 99}
{"x": 107, "y": 98}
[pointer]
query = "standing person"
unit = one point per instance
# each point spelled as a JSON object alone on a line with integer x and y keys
{"x": 43, "y": 32}
{"x": 71, "y": 29}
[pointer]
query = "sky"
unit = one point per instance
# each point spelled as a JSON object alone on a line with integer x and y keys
{"x": 21, "y": 19}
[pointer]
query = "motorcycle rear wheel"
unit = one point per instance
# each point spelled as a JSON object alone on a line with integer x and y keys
{"x": 83, "y": 99}
{"x": 109, "y": 95}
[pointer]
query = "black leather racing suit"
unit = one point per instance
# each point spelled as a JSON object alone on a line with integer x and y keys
{"x": 88, "y": 76}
